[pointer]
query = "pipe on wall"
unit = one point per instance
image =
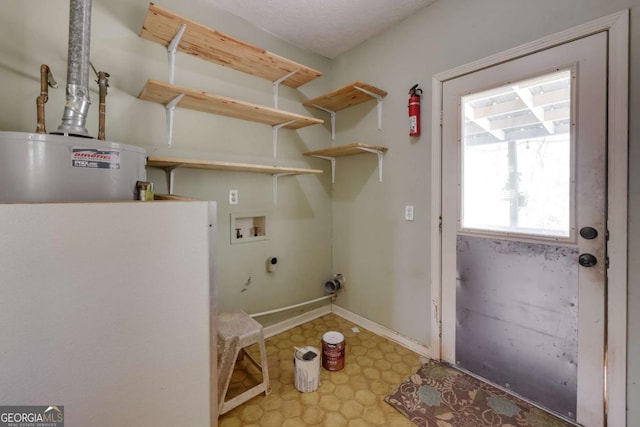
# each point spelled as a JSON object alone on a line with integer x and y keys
{"x": 291, "y": 307}
{"x": 103, "y": 84}
{"x": 46, "y": 81}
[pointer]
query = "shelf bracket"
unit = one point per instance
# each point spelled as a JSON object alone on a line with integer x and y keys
{"x": 275, "y": 186}
{"x": 171, "y": 107}
{"x": 170, "y": 173}
{"x": 276, "y": 128}
{"x": 333, "y": 120}
{"x": 276, "y": 85}
{"x": 377, "y": 98}
{"x": 380, "y": 157}
{"x": 171, "y": 52}
{"x": 333, "y": 166}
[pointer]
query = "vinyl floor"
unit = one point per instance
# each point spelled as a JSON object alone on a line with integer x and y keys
{"x": 351, "y": 397}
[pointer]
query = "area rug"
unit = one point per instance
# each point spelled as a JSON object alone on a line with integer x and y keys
{"x": 438, "y": 395}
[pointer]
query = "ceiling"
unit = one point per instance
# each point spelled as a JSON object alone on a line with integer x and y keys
{"x": 326, "y": 27}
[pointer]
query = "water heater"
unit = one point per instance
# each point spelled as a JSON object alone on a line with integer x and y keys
{"x": 56, "y": 168}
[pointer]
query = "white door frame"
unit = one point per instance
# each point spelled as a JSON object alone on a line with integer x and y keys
{"x": 617, "y": 26}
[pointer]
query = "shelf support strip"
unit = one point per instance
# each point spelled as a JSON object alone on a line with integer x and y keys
{"x": 171, "y": 108}
{"x": 333, "y": 120}
{"x": 333, "y": 166}
{"x": 276, "y": 85}
{"x": 377, "y": 98}
{"x": 380, "y": 157}
{"x": 276, "y": 128}
{"x": 171, "y": 52}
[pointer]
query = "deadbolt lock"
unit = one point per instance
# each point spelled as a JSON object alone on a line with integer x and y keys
{"x": 588, "y": 233}
{"x": 587, "y": 260}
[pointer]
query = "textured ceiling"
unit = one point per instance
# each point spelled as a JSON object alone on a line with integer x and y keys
{"x": 326, "y": 27}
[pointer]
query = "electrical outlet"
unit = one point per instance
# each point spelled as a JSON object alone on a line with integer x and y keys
{"x": 233, "y": 197}
{"x": 408, "y": 213}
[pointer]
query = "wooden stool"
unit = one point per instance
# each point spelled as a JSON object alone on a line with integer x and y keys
{"x": 236, "y": 331}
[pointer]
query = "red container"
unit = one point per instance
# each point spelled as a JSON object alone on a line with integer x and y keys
{"x": 333, "y": 351}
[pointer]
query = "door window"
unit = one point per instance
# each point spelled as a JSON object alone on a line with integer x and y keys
{"x": 516, "y": 157}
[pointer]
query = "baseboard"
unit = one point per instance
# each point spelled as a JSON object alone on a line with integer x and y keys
{"x": 365, "y": 323}
{"x": 383, "y": 331}
{"x": 285, "y": 325}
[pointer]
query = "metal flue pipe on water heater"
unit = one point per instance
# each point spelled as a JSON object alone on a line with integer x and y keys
{"x": 77, "y": 106}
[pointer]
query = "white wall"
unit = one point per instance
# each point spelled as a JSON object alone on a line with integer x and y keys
{"x": 34, "y": 32}
{"x": 92, "y": 320}
{"x": 385, "y": 259}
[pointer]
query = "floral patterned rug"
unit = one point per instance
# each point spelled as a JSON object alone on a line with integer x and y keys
{"x": 441, "y": 396}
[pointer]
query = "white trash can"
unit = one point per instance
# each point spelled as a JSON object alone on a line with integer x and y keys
{"x": 306, "y": 364}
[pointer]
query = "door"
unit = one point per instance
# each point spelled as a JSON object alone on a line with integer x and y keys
{"x": 524, "y": 226}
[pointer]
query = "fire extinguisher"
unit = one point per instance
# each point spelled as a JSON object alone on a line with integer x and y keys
{"x": 414, "y": 110}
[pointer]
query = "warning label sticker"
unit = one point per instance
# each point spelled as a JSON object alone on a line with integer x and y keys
{"x": 95, "y": 159}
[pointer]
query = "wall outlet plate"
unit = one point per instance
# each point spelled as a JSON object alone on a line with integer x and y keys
{"x": 408, "y": 213}
{"x": 233, "y": 197}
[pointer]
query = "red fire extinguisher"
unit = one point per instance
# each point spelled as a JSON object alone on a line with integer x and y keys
{"x": 414, "y": 110}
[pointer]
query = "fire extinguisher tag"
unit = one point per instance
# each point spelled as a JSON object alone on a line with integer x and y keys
{"x": 413, "y": 124}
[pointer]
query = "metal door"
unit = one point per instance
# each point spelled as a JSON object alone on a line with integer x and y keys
{"x": 524, "y": 226}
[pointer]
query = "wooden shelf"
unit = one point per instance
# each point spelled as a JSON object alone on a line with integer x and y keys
{"x": 344, "y": 97}
{"x": 172, "y": 163}
{"x": 348, "y": 150}
{"x": 347, "y": 96}
{"x": 163, "y": 93}
{"x": 174, "y": 197}
{"x": 178, "y": 33}
{"x": 345, "y": 150}
{"x": 161, "y": 25}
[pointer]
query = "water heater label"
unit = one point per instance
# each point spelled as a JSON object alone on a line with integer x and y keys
{"x": 95, "y": 159}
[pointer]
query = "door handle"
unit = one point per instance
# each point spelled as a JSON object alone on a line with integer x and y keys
{"x": 587, "y": 260}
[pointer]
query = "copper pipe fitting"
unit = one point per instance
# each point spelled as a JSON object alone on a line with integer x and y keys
{"x": 103, "y": 84}
{"x": 46, "y": 81}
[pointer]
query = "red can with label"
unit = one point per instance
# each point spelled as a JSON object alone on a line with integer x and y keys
{"x": 333, "y": 351}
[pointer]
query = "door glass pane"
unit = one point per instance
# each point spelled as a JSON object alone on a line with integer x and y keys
{"x": 516, "y": 158}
